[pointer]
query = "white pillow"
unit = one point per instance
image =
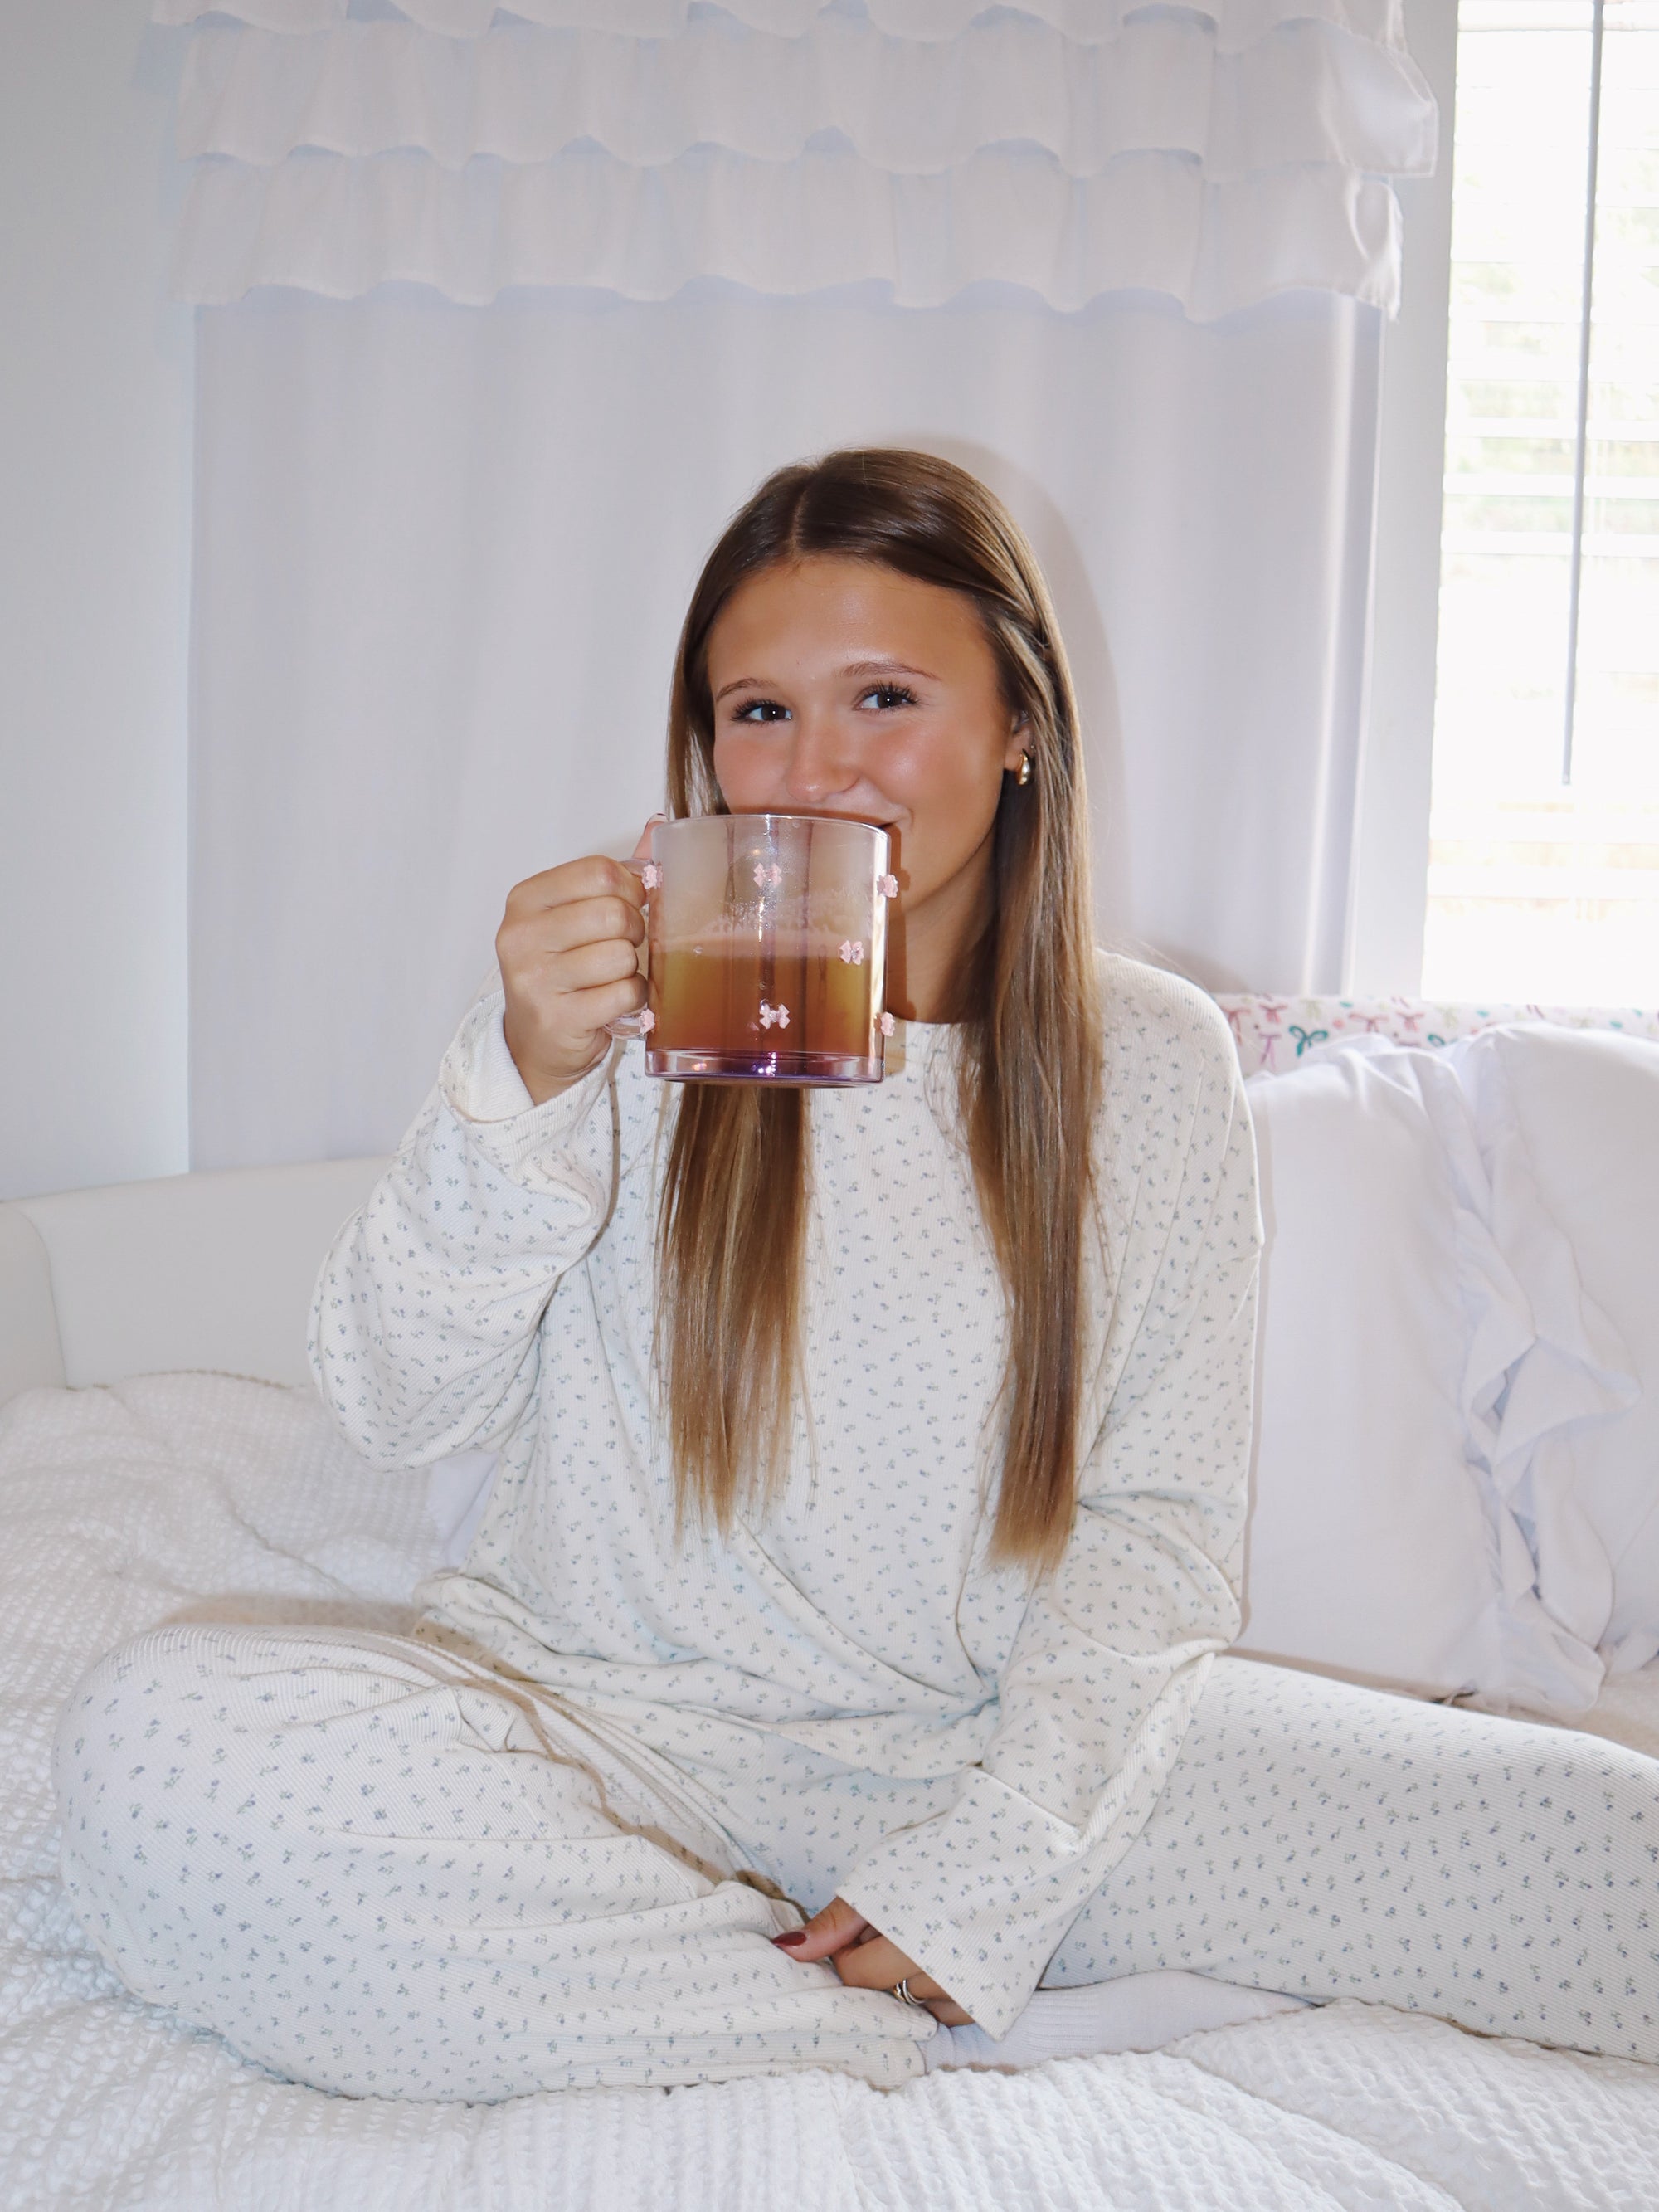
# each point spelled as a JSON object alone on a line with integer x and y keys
{"x": 1396, "y": 1337}
{"x": 1569, "y": 1125}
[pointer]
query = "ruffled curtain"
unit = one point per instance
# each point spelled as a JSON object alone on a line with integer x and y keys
{"x": 1215, "y": 154}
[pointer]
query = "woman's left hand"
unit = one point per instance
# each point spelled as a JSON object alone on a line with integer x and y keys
{"x": 865, "y": 1960}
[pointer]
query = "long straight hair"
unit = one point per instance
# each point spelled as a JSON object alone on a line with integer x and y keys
{"x": 731, "y": 1228}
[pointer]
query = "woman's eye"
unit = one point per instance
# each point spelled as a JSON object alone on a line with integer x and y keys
{"x": 761, "y": 710}
{"x": 890, "y": 694}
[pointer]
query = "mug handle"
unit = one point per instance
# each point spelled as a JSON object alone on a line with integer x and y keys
{"x": 630, "y": 1026}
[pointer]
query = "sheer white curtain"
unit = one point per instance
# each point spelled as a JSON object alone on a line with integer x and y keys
{"x": 588, "y": 285}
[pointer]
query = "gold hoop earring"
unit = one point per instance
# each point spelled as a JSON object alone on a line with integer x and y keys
{"x": 1024, "y": 776}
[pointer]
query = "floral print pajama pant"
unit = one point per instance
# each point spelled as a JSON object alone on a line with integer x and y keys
{"x": 376, "y": 1867}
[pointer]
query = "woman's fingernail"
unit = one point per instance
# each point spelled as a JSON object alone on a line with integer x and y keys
{"x": 788, "y": 1942}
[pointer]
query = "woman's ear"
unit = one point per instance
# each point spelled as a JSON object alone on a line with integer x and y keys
{"x": 1016, "y": 746}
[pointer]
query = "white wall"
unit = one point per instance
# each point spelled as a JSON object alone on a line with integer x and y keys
{"x": 95, "y": 372}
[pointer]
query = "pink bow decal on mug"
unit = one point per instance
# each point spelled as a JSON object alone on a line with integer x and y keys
{"x": 886, "y": 1023}
{"x": 763, "y": 875}
{"x": 852, "y": 952}
{"x": 650, "y": 875}
{"x": 888, "y": 886}
{"x": 770, "y": 1014}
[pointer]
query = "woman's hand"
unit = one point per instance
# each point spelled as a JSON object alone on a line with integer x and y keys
{"x": 865, "y": 1959}
{"x": 569, "y": 951}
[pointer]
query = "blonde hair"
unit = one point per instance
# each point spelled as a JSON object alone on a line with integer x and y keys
{"x": 730, "y": 1232}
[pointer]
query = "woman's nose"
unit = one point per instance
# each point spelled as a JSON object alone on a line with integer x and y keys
{"x": 822, "y": 762}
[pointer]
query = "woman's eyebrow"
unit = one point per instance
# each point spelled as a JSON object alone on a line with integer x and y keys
{"x": 887, "y": 667}
{"x": 884, "y": 666}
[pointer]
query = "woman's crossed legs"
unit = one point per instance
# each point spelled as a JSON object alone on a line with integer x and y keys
{"x": 378, "y": 1870}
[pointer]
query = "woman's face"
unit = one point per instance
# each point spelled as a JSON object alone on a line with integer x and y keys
{"x": 840, "y": 687}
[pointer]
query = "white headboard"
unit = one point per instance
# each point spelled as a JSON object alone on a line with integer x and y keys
{"x": 212, "y": 1270}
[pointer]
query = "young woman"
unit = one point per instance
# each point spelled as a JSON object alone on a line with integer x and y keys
{"x": 838, "y": 1654}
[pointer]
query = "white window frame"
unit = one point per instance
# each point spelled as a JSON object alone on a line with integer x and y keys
{"x": 1389, "y": 882}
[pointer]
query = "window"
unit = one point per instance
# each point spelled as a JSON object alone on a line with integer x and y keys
{"x": 1544, "y": 829}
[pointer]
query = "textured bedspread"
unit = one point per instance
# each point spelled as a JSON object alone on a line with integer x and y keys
{"x": 203, "y": 1497}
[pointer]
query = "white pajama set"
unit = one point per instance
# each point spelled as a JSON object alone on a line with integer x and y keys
{"x": 544, "y": 1840}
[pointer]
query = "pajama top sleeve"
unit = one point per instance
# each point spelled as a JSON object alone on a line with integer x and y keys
{"x": 1113, "y": 1649}
{"x": 425, "y": 1320}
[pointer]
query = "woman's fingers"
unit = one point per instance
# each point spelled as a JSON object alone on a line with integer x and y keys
{"x": 585, "y": 921}
{"x": 569, "y": 951}
{"x": 879, "y": 1964}
{"x": 608, "y": 1002}
{"x": 825, "y": 1933}
{"x": 865, "y": 1959}
{"x": 595, "y": 876}
{"x": 602, "y": 960}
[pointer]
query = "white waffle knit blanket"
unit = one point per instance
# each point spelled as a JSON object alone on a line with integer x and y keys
{"x": 207, "y": 1496}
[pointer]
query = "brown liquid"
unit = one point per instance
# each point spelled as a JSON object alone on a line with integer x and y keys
{"x": 713, "y": 996}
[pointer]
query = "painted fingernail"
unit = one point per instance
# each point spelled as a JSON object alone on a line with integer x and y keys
{"x": 788, "y": 1942}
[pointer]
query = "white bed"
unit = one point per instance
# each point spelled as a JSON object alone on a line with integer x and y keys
{"x": 128, "y": 1502}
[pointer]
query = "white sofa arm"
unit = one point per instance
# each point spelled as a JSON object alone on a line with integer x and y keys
{"x": 30, "y": 1353}
{"x": 212, "y": 1270}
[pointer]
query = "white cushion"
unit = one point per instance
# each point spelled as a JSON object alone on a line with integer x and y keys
{"x": 1569, "y": 1123}
{"x": 1403, "y": 1390}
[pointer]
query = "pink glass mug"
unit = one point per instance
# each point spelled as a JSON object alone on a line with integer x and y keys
{"x": 767, "y": 950}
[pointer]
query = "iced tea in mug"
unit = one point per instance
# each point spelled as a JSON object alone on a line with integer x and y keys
{"x": 766, "y": 945}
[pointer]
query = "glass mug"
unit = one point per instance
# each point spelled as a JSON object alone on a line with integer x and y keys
{"x": 766, "y": 940}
